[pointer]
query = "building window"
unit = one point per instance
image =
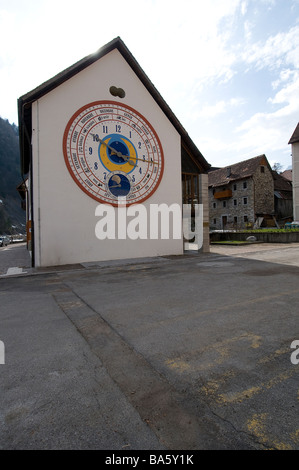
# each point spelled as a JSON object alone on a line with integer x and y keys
{"x": 224, "y": 203}
{"x": 245, "y": 218}
{"x": 214, "y": 221}
{"x": 214, "y": 205}
{"x": 235, "y": 220}
{"x": 244, "y": 201}
{"x": 262, "y": 169}
{"x": 235, "y": 202}
{"x": 235, "y": 187}
{"x": 245, "y": 185}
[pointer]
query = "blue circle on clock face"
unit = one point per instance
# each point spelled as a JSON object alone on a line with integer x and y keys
{"x": 119, "y": 185}
{"x": 115, "y": 142}
{"x": 118, "y": 146}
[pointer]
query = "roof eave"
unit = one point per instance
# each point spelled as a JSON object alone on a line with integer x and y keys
{"x": 295, "y": 136}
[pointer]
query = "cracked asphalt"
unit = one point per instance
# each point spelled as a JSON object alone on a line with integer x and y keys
{"x": 187, "y": 352}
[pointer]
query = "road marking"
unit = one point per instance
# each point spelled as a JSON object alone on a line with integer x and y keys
{"x": 15, "y": 270}
{"x": 211, "y": 389}
{"x": 257, "y": 426}
{"x": 212, "y": 355}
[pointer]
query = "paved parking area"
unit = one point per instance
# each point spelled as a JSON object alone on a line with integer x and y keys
{"x": 187, "y": 352}
{"x": 14, "y": 258}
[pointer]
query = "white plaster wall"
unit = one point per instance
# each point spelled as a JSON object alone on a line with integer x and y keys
{"x": 64, "y": 215}
{"x": 295, "y": 173}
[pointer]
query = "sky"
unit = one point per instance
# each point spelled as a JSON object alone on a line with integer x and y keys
{"x": 228, "y": 69}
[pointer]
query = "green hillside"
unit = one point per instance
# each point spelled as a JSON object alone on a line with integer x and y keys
{"x": 12, "y": 216}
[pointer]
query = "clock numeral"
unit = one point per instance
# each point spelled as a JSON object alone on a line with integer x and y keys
{"x": 90, "y": 150}
{"x": 118, "y": 128}
{"x": 95, "y": 137}
{"x": 96, "y": 166}
{"x": 105, "y": 129}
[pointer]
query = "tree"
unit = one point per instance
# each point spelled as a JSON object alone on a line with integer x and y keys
{"x": 277, "y": 167}
{"x": 11, "y": 213}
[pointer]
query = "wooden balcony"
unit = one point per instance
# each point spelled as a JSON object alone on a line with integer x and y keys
{"x": 223, "y": 194}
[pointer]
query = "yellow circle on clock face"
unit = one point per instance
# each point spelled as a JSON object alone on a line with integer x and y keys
{"x": 113, "y": 162}
{"x": 112, "y": 152}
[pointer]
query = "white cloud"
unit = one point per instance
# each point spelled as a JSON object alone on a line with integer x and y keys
{"x": 211, "y": 111}
{"x": 180, "y": 45}
{"x": 7, "y": 25}
{"x": 265, "y": 131}
{"x": 221, "y": 107}
{"x": 284, "y": 76}
{"x": 289, "y": 93}
{"x": 279, "y": 50}
{"x": 194, "y": 49}
{"x": 244, "y": 6}
{"x": 190, "y": 50}
{"x": 272, "y": 128}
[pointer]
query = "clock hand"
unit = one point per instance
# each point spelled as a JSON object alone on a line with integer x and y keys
{"x": 114, "y": 152}
{"x": 147, "y": 161}
{"x": 119, "y": 154}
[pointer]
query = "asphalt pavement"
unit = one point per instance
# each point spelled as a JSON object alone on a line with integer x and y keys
{"x": 188, "y": 352}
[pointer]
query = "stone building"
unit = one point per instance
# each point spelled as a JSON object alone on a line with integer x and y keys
{"x": 242, "y": 195}
{"x": 294, "y": 141}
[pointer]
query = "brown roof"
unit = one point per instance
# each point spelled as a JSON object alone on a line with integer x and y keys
{"x": 281, "y": 183}
{"x": 25, "y": 102}
{"x": 287, "y": 174}
{"x": 235, "y": 172}
{"x": 295, "y": 136}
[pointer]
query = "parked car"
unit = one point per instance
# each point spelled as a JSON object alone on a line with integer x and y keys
{"x": 3, "y": 241}
{"x": 294, "y": 224}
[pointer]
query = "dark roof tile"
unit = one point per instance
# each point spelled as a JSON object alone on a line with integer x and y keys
{"x": 281, "y": 183}
{"x": 236, "y": 171}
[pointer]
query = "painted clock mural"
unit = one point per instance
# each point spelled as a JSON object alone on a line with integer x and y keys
{"x": 112, "y": 151}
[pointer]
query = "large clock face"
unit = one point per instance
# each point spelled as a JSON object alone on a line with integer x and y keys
{"x": 112, "y": 152}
